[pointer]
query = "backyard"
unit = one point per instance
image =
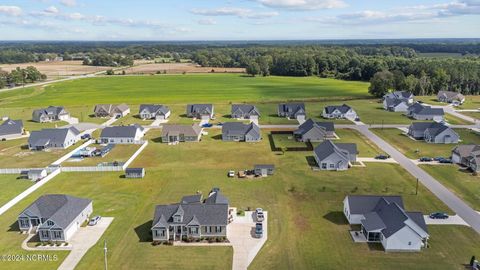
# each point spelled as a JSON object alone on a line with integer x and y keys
{"x": 12, "y": 186}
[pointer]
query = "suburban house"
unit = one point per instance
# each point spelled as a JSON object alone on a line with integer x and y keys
{"x": 237, "y": 131}
{"x": 11, "y": 129}
{"x": 36, "y": 174}
{"x": 50, "y": 114}
{"x": 134, "y": 172}
{"x": 395, "y": 105}
{"x": 111, "y": 110}
{"x": 154, "y": 111}
{"x": 433, "y": 132}
{"x": 200, "y": 111}
{"x": 192, "y": 217}
{"x": 181, "y": 133}
{"x": 405, "y": 96}
{"x": 122, "y": 134}
{"x": 311, "y": 131}
{"x": 245, "y": 111}
{"x": 55, "y": 217}
{"x": 292, "y": 111}
{"x": 264, "y": 169}
{"x": 467, "y": 155}
{"x": 335, "y": 157}
{"x": 53, "y": 138}
{"x": 342, "y": 111}
{"x": 418, "y": 111}
{"x": 450, "y": 97}
{"x": 384, "y": 220}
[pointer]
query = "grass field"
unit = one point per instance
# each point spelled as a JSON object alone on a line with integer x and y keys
{"x": 298, "y": 199}
{"x": 11, "y": 186}
{"x": 416, "y": 149}
{"x": 463, "y": 183}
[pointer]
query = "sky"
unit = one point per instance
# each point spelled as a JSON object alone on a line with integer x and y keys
{"x": 164, "y": 20}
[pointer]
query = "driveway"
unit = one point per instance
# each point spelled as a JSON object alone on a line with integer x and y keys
{"x": 451, "y": 220}
{"x": 245, "y": 245}
{"x": 366, "y": 159}
{"x": 445, "y": 195}
{"x": 83, "y": 240}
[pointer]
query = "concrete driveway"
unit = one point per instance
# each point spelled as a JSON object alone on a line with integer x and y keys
{"x": 83, "y": 240}
{"x": 451, "y": 220}
{"x": 241, "y": 235}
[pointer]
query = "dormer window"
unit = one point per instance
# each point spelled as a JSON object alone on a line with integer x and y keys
{"x": 50, "y": 223}
{"x": 177, "y": 218}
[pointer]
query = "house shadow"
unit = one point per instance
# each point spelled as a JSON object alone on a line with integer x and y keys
{"x": 14, "y": 227}
{"x": 122, "y": 176}
{"x": 311, "y": 161}
{"x": 336, "y": 217}
{"x": 157, "y": 140}
{"x": 184, "y": 115}
{"x": 271, "y": 141}
{"x": 227, "y": 116}
{"x": 375, "y": 247}
{"x": 273, "y": 115}
{"x": 217, "y": 137}
{"x": 144, "y": 232}
{"x": 34, "y": 239}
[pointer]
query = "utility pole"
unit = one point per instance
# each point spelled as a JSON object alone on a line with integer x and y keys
{"x": 105, "y": 254}
{"x": 416, "y": 189}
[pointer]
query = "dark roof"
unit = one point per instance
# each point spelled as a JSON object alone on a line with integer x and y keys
{"x": 187, "y": 130}
{"x": 415, "y": 107}
{"x": 344, "y": 108}
{"x": 60, "y": 208}
{"x": 191, "y": 199}
{"x": 327, "y": 148}
{"x": 450, "y": 94}
{"x": 11, "y": 127}
{"x": 120, "y": 131}
{"x": 420, "y": 109}
{"x": 200, "y": 108}
{"x": 111, "y": 107}
{"x": 393, "y": 102}
{"x": 245, "y": 108}
{"x": 134, "y": 170}
{"x": 50, "y": 110}
{"x": 51, "y": 135}
{"x": 433, "y": 128}
{"x": 309, "y": 124}
{"x": 418, "y": 218}
{"x": 240, "y": 129}
{"x": 291, "y": 107}
{"x": 360, "y": 204}
{"x": 399, "y": 95}
{"x": 154, "y": 108}
{"x": 465, "y": 150}
{"x": 216, "y": 197}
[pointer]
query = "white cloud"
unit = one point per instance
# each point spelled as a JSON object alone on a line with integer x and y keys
{"x": 51, "y": 9}
{"x": 11, "y": 10}
{"x": 68, "y": 3}
{"x": 233, "y": 11}
{"x": 303, "y": 4}
{"x": 207, "y": 21}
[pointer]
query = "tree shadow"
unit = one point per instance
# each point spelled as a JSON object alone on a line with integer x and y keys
{"x": 273, "y": 115}
{"x": 336, "y": 217}
{"x": 227, "y": 116}
{"x": 157, "y": 140}
{"x": 217, "y": 137}
{"x": 311, "y": 161}
{"x": 184, "y": 115}
{"x": 144, "y": 232}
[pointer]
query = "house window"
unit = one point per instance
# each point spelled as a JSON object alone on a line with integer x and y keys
{"x": 24, "y": 223}
{"x": 44, "y": 234}
{"x": 208, "y": 229}
{"x": 57, "y": 234}
{"x": 332, "y": 166}
{"x": 324, "y": 165}
{"x": 50, "y": 223}
{"x": 218, "y": 229}
{"x": 194, "y": 230}
{"x": 409, "y": 243}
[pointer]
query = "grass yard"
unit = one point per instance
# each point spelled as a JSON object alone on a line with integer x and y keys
{"x": 120, "y": 153}
{"x": 12, "y": 155}
{"x": 463, "y": 183}
{"x": 471, "y": 102}
{"x": 475, "y": 115}
{"x": 11, "y": 187}
{"x": 298, "y": 200}
{"x": 416, "y": 149}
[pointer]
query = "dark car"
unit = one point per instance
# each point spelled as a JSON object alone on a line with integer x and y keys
{"x": 382, "y": 157}
{"x": 219, "y": 124}
{"x": 426, "y": 159}
{"x": 357, "y": 119}
{"x": 445, "y": 160}
{"x": 259, "y": 230}
{"x": 438, "y": 158}
{"x": 207, "y": 125}
{"x": 85, "y": 136}
{"x": 438, "y": 215}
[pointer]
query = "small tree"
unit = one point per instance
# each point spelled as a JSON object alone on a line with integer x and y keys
{"x": 253, "y": 68}
{"x": 472, "y": 260}
{"x": 110, "y": 72}
{"x": 381, "y": 83}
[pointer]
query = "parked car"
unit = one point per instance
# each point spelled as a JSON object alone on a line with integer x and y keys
{"x": 86, "y": 136}
{"x": 259, "y": 230}
{"x": 207, "y": 125}
{"x": 231, "y": 173}
{"x": 382, "y": 157}
{"x": 426, "y": 159}
{"x": 259, "y": 216}
{"x": 219, "y": 124}
{"x": 438, "y": 158}
{"x": 93, "y": 221}
{"x": 438, "y": 215}
{"x": 445, "y": 160}
{"x": 357, "y": 119}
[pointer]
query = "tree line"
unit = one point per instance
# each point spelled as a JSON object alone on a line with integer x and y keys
{"x": 20, "y": 76}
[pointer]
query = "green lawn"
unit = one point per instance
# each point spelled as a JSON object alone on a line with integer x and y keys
{"x": 475, "y": 115}
{"x": 471, "y": 102}
{"x": 11, "y": 187}
{"x": 416, "y": 149}
{"x": 461, "y": 182}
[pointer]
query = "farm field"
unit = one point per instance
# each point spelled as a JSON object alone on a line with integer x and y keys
{"x": 12, "y": 186}
{"x": 296, "y": 197}
{"x": 176, "y": 68}
{"x": 462, "y": 182}
{"x": 416, "y": 149}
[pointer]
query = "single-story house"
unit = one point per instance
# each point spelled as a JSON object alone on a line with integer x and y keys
{"x": 200, "y": 111}
{"x": 264, "y": 169}
{"x": 421, "y": 112}
{"x": 292, "y": 111}
{"x": 192, "y": 218}
{"x": 50, "y": 114}
{"x": 245, "y": 111}
{"x": 335, "y": 156}
{"x": 55, "y": 217}
{"x": 122, "y": 134}
{"x": 237, "y": 131}
{"x": 395, "y": 105}
{"x": 134, "y": 172}
{"x": 467, "y": 155}
{"x": 54, "y": 138}
{"x": 11, "y": 129}
{"x": 339, "y": 111}
{"x": 181, "y": 133}
{"x": 433, "y": 132}
{"x": 405, "y": 96}
{"x": 111, "y": 110}
{"x": 450, "y": 97}
{"x": 154, "y": 111}
{"x": 311, "y": 131}
{"x": 36, "y": 174}
{"x": 384, "y": 220}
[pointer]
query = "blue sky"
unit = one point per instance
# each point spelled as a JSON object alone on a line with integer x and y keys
{"x": 237, "y": 19}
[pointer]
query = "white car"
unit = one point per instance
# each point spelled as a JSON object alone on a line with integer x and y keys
{"x": 259, "y": 215}
{"x": 94, "y": 221}
{"x": 231, "y": 174}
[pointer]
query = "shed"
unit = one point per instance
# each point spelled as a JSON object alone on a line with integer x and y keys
{"x": 135, "y": 173}
{"x": 36, "y": 174}
{"x": 264, "y": 169}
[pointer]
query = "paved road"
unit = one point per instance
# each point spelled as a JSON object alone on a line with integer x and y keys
{"x": 451, "y": 200}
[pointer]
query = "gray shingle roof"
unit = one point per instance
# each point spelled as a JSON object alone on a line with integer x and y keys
{"x": 187, "y": 130}
{"x": 465, "y": 150}
{"x": 309, "y": 124}
{"x": 51, "y": 135}
{"x": 50, "y": 110}
{"x": 191, "y": 199}
{"x": 399, "y": 95}
{"x": 433, "y": 128}
{"x": 240, "y": 129}
{"x": 109, "y": 108}
{"x": 206, "y": 214}
{"x": 154, "y": 109}
{"x": 344, "y": 108}
{"x": 420, "y": 109}
{"x": 450, "y": 95}
{"x": 120, "y": 131}
{"x": 11, "y": 127}
{"x": 200, "y": 108}
{"x": 393, "y": 102}
{"x": 216, "y": 197}
{"x": 360, "y": 204}
{"x": 60, "y": 208}
{"x": 264, "y": 166}
{"x": 291, "y": 108}
{"x": 245, "y": 109}
{"x": 134, "y": 170}
{"x": 327, "y": 148}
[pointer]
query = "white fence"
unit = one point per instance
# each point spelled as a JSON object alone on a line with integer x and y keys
{"x": 130, "y": 160}
{"x": 93, "y": 169}
{"x": 67, "y": 156}
{"x": 28, "y": 191}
